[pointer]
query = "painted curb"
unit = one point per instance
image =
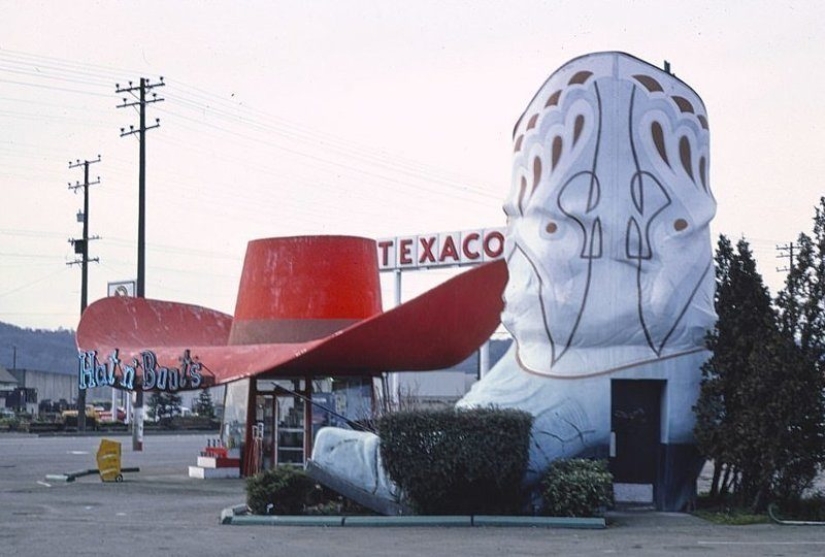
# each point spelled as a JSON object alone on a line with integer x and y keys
{"x": 416, "y": 520}
{"x": 773, "y": 513}
{"x": 238, "y": 516}
{"x": 541, "y": 522}
{"x": 285, "y": 520}
{"x": 230, "y": 513}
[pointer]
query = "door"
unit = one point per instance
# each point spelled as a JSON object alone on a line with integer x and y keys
{"x": 290, "y": 429}
{"x": 263, "y": 438}
{"x": 635, "y": 425}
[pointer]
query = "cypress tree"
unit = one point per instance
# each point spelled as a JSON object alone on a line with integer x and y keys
{"x": 759, "y": 414}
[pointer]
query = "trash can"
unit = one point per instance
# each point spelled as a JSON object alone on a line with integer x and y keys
{"x": 108, "y": 461}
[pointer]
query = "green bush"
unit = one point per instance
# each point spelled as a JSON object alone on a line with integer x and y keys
{"x": 458, "y": 461}
{"x": 11, "y": 422}
{"x": 577, "y": 487}
{"x": 810, "y": 508}
{"x": 281, "y": 490}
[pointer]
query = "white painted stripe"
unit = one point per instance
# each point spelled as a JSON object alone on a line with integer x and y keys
{"x": 704, "y": 542}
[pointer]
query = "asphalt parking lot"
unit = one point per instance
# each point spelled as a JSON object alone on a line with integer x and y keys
{"x": 161, "y": 511}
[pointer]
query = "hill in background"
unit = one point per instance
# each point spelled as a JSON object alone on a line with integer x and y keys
{"x": 38, "y": 349}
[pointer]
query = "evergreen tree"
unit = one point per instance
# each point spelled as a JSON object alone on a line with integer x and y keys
{"x": 801, "y": 303}
{"x": 759, "y": 414}
{"x": 204, "y": 406}
{"x": 164, "y": 406}
{"x": 744, "y": 317}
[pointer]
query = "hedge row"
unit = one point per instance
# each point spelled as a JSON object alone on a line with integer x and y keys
{"x": 458, "y": 461}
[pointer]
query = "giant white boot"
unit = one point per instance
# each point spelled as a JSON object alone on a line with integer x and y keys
{"x": 610, "y": 266}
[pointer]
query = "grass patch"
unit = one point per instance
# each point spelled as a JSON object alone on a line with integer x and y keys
{"x": 724, "y": 511}
{"x": 810, "y": 508}
{"x": 731, "y": 517}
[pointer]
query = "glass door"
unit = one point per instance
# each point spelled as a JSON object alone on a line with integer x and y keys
{"x": 263, "y": 453}
{"x": 289, "y": 428}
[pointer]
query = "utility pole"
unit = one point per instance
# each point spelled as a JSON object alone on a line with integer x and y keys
{"x": 791, "y": 318}
{"x": 81, "y": 248}
{"x": 786, "y": 251}
{"x": 140, "y": 102}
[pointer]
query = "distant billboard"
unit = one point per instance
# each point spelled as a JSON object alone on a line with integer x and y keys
{"x": 122, "y": 288}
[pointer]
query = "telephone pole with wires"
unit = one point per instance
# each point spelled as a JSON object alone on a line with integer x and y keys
{"x": 140, "y": 103}
{"x": 139, "y": 93}
{"x": 786, "y": 251}
{"x": 81, "y": 248}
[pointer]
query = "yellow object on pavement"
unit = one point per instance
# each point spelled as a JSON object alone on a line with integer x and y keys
{"x": 108, "y": 461}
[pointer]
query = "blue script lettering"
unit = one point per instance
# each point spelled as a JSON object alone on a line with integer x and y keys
{"x": 93, "y": 373}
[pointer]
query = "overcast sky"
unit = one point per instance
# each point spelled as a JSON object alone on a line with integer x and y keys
{"x": 373, "y": 118}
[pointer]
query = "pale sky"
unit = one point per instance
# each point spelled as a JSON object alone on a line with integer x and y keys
{"x": 373, "y": 118}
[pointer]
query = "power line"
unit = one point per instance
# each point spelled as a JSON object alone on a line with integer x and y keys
{"x": 211, "y": 105}
{"x": 51, "y": 87}
{"x": 254, "y": 120}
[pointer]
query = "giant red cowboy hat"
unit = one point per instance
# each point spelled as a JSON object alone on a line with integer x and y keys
{"x": 308, "y": 304}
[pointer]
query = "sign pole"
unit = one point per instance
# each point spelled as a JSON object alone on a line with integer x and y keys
{"x": 440, "y": 249}
{"x": 395, "y": 396}
{"x": 483, "y": 359}
{"x": 114, "y": 404}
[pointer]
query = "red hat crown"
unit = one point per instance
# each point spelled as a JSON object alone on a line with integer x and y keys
{"x": 305, "y": 287}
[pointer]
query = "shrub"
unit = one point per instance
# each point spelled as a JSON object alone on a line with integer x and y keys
{"x": 577, "y": 487}
{"x": 458, "y": 461}
{"x": 810, "y": 508}
{"x": 10, "y": 422}
{"x": 281, "y": 490}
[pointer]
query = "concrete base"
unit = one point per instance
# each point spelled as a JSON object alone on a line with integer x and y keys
{"x": 633, "y": 493}
{"x": 215, "y": 462}
{"x": 213, "y": 473}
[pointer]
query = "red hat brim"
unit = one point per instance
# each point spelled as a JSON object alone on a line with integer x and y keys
{"x": 435, "y": 330}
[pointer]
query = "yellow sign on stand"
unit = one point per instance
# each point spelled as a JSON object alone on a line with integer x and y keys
{"x": 108, "y": 461}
